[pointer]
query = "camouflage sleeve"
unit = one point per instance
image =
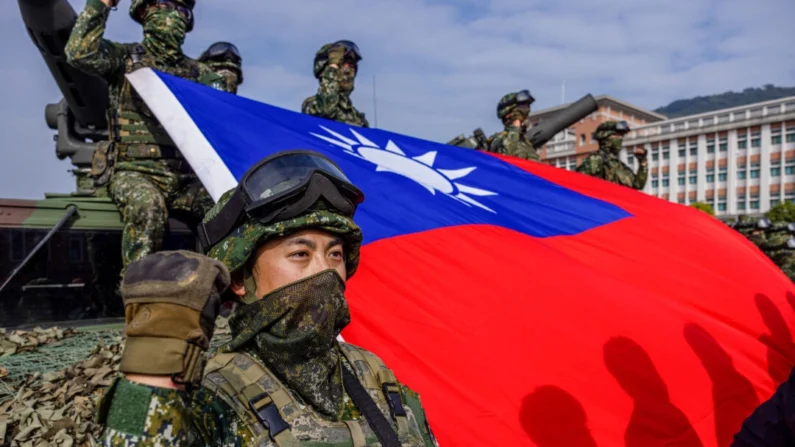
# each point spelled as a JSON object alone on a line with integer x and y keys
{"x": 592, "y": 165}
{"x": 517, "y": 145}
{"x": 212, "y": 79}
{"x": 328, "y": 94}
{"x": 87, "y": 50}
{"x": 412, "y": 400}
{"x": 640, "y": 178}
{"x": 141, "y": 415}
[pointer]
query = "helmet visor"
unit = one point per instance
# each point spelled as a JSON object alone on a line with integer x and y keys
{"x": 220, "y": 51}
{"x": 524, "y": 97}
{"x": 351, "y": 49}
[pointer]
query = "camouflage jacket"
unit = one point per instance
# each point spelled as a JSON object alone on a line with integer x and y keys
{"x": 513, "y": 141}
{"x": 88, "y": 51}
{"x": 218, "y": 414}
{"x": 329, "y": 103}
{"x": 604, "y": 165}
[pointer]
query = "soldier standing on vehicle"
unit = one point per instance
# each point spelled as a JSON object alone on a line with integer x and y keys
{"x": 605, "y": 164}
{"x": 287, "y": 236}
{"x": 335, "y": 67}
{"x": 512, "y": 110}
{"x": 148, "y": 176}
{"x": 224, "y": 58}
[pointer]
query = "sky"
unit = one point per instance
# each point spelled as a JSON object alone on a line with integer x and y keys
{"x": 439, "y": 67}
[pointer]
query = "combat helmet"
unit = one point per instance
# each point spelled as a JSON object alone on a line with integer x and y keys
{"x": 511, "y": 101}
{"x": 224, "y": 55}
{"x": 284, "y": 193}
{"x": 185, "y": 6}
{"x": 321, "y": 57}
{"x": 610, "y": 128}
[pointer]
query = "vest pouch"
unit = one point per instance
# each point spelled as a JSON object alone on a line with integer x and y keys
{"x": 103, "y": 163}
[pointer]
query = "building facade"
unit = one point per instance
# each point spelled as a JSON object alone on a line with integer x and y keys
{"x": 568, "y": 148}
{"x": 740, "y": 160}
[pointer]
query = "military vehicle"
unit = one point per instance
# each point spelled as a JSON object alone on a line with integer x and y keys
{"x": 60, "y": 256}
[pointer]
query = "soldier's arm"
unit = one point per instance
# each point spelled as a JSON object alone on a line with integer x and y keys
{"x": 212, "y": 79}
{"x": 412, "y": 400}
{"x": 640, "y": 178}
{"x": 328, "y": 94}
{"x": 592, "y": 165}
{"x": 87, "y": 50}
{"x": 518, "y": 146}
{"x": 138, "y": 414}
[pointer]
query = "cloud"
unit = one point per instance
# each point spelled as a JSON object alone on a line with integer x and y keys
{"x": 440, "y": 66}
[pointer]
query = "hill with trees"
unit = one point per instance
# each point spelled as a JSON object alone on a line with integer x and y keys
{"x": 703, "y": 104}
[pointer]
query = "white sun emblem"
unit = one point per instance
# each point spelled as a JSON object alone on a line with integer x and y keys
{"x": 419, "y": 169}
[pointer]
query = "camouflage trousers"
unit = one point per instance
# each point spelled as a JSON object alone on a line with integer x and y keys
{"x": 145, "y": 197}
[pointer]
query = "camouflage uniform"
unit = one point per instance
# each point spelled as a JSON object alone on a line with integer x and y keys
{"x": 605, "y": 164}
{"x": 512, "y": 140}
{"x": 147, "y": 175}
{"x": 242, "y": 375}
{"x": 333, "y": 100}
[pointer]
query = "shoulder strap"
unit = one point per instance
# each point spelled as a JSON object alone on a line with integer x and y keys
{"x": 237, "y": 376}
{"x": 383, "y": 430}
{"x": 381, "y": 379}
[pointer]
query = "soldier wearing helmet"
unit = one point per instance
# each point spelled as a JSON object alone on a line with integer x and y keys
{"x": 224, "y": 58}
{"x": 512, "y": 110}
{"x": 287, "y": 236}
{"x": 605, "y": 164}
{"x": 335, "y": 67}
{"x": 146, "y": 174}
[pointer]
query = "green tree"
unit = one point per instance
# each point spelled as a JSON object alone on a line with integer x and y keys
{"x": 783, "y": 212}
{"x": 705, "y": 207}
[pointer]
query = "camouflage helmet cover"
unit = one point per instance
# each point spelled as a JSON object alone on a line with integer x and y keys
{"x": 236, "y": 248}
{"x": 138, "y": 4}
{"x": 610, "y": 128}
{"x": 508, "y": 104}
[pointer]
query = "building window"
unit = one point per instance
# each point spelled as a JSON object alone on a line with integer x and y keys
{"x": 740, "y": 175}
{"x": 775, "y": 139}
{"x": 723, "y": 147}
{"x": 775, "y": 162}
{"x": 740, "y": 205}
{"x": 754, "y": 204}
{"x": 582, "y": 139}
{"x": 693, "y": 151}
{"x": 774, "y": 202}
{"x": 666, "y": 155}
{"x": 682, "y": 153}
{"x": 721, "y": 206}
{"x": 756, "y": 139}
{"x": 789, "y": 170}
{"x": 680, "y": 181}
{"x": 775, "y": 172}
{"x": 711, "y": 148}
{"x": 693, "y": 179}
{"x": 742, "y": 144}
{"x": 682, "y": 200}
{"x": 790, "y": 137}
{"x": 710, "y": 178}
{"x": 665, "y": 182}
{"x": 655, "y": 156}
{"x": 655, "y": 183}
{"x": 722, "y": 177}
{"x": 755, "y": 173}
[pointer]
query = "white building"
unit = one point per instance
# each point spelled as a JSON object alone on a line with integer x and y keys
{"x": 739, "y": 160}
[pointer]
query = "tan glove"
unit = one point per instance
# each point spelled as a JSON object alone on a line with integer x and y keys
{"x": 336, "y": 54}
{"x": 171, "y": 300}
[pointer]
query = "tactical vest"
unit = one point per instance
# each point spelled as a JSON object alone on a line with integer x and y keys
{"x": 136, "y": 131}
{"x": 274, "y": 417}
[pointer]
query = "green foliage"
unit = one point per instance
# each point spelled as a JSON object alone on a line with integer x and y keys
{"x": 783, "y": 212}
{"x": 703, "y": 104}
{"x": 705, "y": 207}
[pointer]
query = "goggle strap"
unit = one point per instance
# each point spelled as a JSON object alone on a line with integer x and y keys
{"x": 319, "y": 186}
{"x": 210, "y": 233}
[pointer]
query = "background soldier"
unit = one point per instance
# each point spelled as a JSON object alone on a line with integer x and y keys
{"x": 283, "y": 376}
{"x": 605, "y": 164}
{"x": 147, "y": 174}
{"x": 224, "y": 58}
{"x": 513, "y": 109}
{"x": 335, "y": 67}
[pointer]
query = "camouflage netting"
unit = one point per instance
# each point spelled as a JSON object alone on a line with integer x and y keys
{"x": 50, "y": 381}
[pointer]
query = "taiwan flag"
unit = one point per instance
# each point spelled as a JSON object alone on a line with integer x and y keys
{"x": 528, "y": 305}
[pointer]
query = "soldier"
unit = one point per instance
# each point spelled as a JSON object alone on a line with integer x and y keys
{"x": 605, "y": 164}
{"x": 513, "y": 109}
{"x": 147, "y": 175}
{"x": 335, "y": 67}
{"x": 224, "y": 58}
{"x": 287, "y": 236}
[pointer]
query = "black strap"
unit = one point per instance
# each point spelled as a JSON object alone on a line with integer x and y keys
{"x": 382, "y": 428}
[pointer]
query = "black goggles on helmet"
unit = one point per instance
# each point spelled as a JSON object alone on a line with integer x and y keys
{"x": 281, "y": 187}
{"x": 622, "y": 127}
{"x": 173, "y": 5}
{"x": 524, "y": 97}
{"x": 223, "y": 51}
{"x": 351, "y": 49}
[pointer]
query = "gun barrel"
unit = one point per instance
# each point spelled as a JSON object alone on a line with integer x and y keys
{"x": 544, "y": 131}
{"x": 49, "y": 24}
